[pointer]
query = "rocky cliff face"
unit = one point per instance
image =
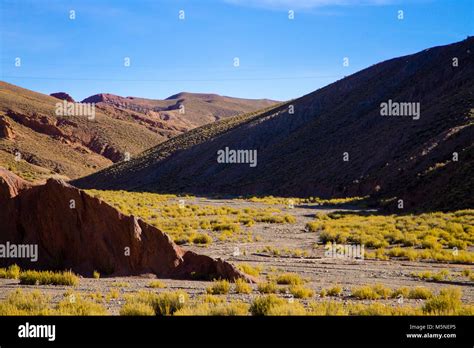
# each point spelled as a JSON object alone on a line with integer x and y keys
{"x": 76, "y": 231}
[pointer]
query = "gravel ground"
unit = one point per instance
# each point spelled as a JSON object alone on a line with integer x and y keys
{"x": 321, "y": 272}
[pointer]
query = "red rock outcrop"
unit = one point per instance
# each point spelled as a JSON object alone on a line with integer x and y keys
{"x": 76, "y": 231}
{"x": 10, "y": 185}
{"x": 6, "y": 130}
{"x": 39, "y": 123}
{"x": 63, "y": 96}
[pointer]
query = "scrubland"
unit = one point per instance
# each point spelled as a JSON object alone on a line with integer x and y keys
{"x": 411, "y": 264}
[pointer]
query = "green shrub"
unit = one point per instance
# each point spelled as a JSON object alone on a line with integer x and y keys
{"x": 336, "y": 290}
{"x": 401, "y": 292}
{"x": 287, "y": 309}
{"x": 299, "y": 291}
{"x": 137, "y": 309}
{"x": 234, "y": 308}
{"x": 313, "y": 226}
{"x": 156, "y": 284}
{"x": 273, "y": 305}
{"x": 382, "y": 291}
{"x": 80, "y": 307}
{"x": 201, "y": 238}
{"x": 48, "y": 278}
{"x": 448, "y": 302}
{"x": 250, "y": 270}
{"x": 19, "y": 302}
{"x": 372, "y": 292}
{"x": 420, "y": 292}
{"x": 212, "y": 299}
{"x": 242, "y": 287}
{"x": 289, "y": 279}
{"x": 12, "y": 272}
{"x": 165, "y": 303}
{"x": 267, "y": 288}
{"x": 327, "y": 308}
{"x": 219, "y": 287}
{"x": 365, "y": 293}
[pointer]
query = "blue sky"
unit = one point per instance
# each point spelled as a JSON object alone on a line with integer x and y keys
{"x": 279, "y": 58}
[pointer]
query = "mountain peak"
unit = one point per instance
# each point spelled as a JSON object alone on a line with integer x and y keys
{"x": 63, "y": 96}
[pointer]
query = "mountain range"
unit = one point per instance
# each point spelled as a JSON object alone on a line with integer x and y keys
{"x": 37, "y": 143}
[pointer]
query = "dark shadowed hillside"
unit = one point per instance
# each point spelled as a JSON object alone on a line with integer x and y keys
{"x": 425, "y": 159}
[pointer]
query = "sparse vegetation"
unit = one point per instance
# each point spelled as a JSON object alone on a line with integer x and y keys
{"x": 447, "y": 302}
{"x": 156, "y": 284}
{"x": 289, "y": 279}
{"x": 443, "y": 237}
{"x": 201, "y": 238}
{"x": 299, "y": 291}
{"x": 442, "y": 275}
{"x": 190, "y": 223}
{"x": 420, "y": 292}
{"x": 242, "y": 287}
{"x": 281, "y": 252}
{"x": 336, "y": 290}
{"x": 271, "y": 305}
{"x": 219, "y": 287}
{"x": 166, "y": 303}
{"x": 234, "y": 308}
{"x": 80, "y": 307}
{"x": 297, "y": 201}
{"x": 11, "y": 272}
{"x": 250, "y": 270}
{"x": 48, "y": 278}
{"x": 20, "y": 302}
{"x": 371, "y": 292}
{"x": 267, "y": 287}
{"x": 137, "y": 309}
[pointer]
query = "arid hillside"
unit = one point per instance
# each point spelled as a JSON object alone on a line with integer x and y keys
{"x": 183, "y": 111}
{"x": 400, "y": 129}
{"x": 36, "y": 143}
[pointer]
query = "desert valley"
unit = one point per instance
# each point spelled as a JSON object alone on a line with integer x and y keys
{"x": 340, "y": 202}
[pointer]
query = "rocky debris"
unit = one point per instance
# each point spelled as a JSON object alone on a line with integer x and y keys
{"x": 76, "y": 231}
{"x": 63, "y": 96}
{"x": 6, "y": 130}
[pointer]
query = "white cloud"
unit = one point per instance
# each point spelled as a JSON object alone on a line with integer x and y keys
{"x": 305, "y": 4}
